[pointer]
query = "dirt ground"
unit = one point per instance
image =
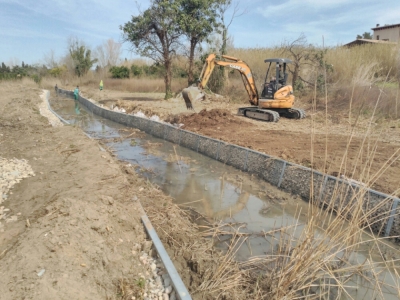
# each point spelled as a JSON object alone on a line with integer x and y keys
{"x": 71, "y": 229}
{"x": 372, "y": 155}
{"x": 76, "y": 220}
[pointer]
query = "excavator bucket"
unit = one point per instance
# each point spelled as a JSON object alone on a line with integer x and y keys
{"x": 191, "y": 94}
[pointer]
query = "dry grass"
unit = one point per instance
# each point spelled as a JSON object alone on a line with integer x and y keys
{"x": 319, "y": 259}
{"x": 375, "y": 68}
{"x": 24, "y": 82}
{"x": 208, "y": 273}
{"x": 319, "y": 262}
{"x": 358, "y": 75}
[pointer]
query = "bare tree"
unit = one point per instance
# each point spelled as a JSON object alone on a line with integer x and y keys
{"x": 108, "y": 54}
{"x": 299, "y": 52}
{"x": 50, "y": 60}
{"x": 226, "y": 21}
{"x": 219, "y": 78}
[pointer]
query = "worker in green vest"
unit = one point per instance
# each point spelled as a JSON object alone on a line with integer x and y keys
{"x": 101, "y": 85}
{"x": 76, "y": 93}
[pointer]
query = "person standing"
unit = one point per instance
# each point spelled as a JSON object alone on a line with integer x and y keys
{"x": 76, "y": 96}
{"x": 101, "y": 85}
{"x": 76, "y": 93}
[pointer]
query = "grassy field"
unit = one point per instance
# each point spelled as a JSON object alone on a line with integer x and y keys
{"x": 344, "y": 78}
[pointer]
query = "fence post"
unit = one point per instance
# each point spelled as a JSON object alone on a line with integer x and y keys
{"x": 391, "y": 218}
{"x": 283, "y": 172}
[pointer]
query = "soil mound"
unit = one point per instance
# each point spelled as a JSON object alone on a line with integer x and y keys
{"x": 206, "y": 118}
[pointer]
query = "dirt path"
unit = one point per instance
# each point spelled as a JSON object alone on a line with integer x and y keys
{"x": 320, "y": 142}
{"x": 71, "y": 228}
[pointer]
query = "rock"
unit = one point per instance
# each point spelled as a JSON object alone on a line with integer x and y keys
{"x": 165, "y": 296}
{"x": 172, "y": 296}
{"x": 158, "y": 281}
{"x": 146, "y": 246}
{"x": 168, "y": 289}
{"x": 41, "y": 272}
{"x": 153, "y": 266}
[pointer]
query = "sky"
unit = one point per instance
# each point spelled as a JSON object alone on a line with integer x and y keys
{"x": 30, "y": 30}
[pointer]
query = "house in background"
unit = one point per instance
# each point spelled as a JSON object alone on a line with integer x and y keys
{"x": 388, "y": 33}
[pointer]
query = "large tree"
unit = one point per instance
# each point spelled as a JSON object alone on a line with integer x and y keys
{"x": 155, "y": 34}
{"x": 198, "y": 19}
{"x": 81, "y": 56}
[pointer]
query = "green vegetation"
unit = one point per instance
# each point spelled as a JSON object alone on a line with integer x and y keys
{"x": 365, "y": 35}
{"x": 155, "y": 34}
{"x": 197, "y": 20}
{"x": 81, "y": 57}
{"x": 25, "y": 70}
{"x": 119, "y": 72}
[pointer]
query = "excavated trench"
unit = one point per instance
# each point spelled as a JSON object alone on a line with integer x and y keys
{"x": 217, "y": 191}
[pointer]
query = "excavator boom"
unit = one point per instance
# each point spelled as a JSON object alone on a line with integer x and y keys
{"x": 192, "y": 93}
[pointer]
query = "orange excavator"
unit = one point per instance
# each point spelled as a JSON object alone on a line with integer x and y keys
{"x": 276, "y": 99}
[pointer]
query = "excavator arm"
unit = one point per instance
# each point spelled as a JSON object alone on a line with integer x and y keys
{"x": 226, "y": 61}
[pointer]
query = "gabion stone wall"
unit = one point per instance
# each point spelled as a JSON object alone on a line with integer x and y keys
{"x": 330, "y": 192}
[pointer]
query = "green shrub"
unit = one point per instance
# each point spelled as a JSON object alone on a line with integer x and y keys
{"x": 119, "y": 72}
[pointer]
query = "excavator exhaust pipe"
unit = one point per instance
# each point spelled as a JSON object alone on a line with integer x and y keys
{"x": 191, "y": 94}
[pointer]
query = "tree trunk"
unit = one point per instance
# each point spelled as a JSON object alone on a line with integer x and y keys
{"x": 295, "y": 73}
{"x": 167, "y": 79}
{"x": 193, "y": 43}
{"x": 224, "y": 40}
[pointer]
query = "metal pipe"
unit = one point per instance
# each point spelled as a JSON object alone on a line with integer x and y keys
{"x": 177, "y": 282}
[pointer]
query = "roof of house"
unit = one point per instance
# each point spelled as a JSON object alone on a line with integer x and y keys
{"x": 368, "y": 41}
{"x": 385, "y": 26}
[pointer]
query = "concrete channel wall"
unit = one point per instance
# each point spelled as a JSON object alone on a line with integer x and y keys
{"x": 329, "y": 191}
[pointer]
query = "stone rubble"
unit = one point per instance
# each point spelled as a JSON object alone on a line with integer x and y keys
{"x": 158, "y": 283}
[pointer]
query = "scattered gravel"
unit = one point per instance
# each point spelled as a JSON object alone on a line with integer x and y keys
{"x": 12, "y": 171}
{"x": 158, "y": 283}
{"x": 44, "y": 111}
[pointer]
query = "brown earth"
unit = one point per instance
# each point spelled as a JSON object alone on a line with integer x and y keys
{"x": 73, "y": 230}
{"x": 320, "y": 141}
{"x": 78, "y": 218}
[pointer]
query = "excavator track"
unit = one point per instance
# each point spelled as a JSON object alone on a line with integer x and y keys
{"x": 259, "y": 114}
{"x": 293, "y": 113}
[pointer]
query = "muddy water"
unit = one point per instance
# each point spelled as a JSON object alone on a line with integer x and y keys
{"x": 215, "y": 190}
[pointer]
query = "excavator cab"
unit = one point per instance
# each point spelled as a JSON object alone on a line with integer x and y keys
{"x": 276, "y": 76}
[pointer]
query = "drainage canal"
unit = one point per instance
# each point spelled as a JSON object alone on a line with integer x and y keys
{"x": 213, "y": 189}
